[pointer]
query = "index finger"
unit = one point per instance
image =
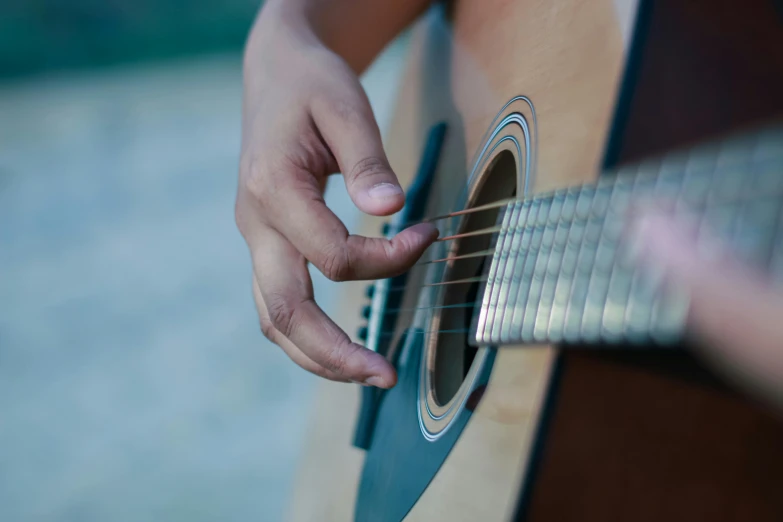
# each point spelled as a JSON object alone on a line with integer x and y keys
{"x": 298, "y": 211}
{"x": 288, "y": 294}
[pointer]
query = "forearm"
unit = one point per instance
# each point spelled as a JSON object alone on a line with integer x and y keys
{"x": 357, "y": 30}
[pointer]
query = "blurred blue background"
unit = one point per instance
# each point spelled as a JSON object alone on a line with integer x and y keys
{"x": 134, "y": 381}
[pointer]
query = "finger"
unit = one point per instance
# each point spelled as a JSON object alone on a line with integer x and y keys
{"x": 287, "y": 292}
{"x": 732, "y": 308}
{"x": 294, "y": 353}
{"x": 347, "y": 124}
{"x": 297, "y": 210}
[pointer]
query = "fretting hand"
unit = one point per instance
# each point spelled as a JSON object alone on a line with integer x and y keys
{"x": 735, "y": 313}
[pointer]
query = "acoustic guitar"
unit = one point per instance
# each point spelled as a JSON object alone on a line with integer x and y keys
{"x": 544, "y": 370}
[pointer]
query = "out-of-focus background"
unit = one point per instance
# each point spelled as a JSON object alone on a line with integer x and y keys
{"x": 134, "y": 381}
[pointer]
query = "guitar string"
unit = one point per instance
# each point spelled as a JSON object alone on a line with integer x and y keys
{"x": 454, "y": 331}
{"x": 483, "y": 253}
{"x": 479, "y": 254}
{"x": 469, "y": 280}
{"x": 499, "y": 228}
{"x": 650, "y": 177}
{"x": 489, "y": 206}
{"x": 386, "y": 333}
{"x": 442, "y": 283}
{"x": 471, "y": 233}
{"x": 471, "y": 255}
{"x": 463, "y": 257}
{"x": 438, "y": 307}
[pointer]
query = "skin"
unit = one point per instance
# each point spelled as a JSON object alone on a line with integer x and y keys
{"x": 736, "y": 313}
{"x": 306, "y": 116}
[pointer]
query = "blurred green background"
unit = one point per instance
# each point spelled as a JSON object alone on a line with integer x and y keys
{"x": 135, "y": 383}
{"x": 44, "y": 35}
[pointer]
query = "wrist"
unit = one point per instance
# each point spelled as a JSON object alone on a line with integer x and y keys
{"x": 279, "y": 21}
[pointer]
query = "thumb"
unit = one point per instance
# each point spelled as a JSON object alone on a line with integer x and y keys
{"x": 347, "y": 124}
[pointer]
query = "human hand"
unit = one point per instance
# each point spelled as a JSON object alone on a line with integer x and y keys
{"x": 736, "y": 312}
{"x": 306, "y": 116}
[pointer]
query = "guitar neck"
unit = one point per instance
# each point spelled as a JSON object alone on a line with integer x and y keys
{"x": 562, "y": 269}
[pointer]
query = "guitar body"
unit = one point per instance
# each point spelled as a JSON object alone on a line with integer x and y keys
{"x": 540, "y": 433}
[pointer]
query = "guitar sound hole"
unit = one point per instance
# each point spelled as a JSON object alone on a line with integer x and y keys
{"x": 453, "y": 354}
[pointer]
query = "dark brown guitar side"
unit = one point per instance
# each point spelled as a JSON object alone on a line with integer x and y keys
{"x": 656, "y": 436}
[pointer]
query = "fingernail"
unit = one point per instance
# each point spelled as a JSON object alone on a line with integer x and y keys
{"x": 375, "y": 381}
{"x": 384, "y": 191}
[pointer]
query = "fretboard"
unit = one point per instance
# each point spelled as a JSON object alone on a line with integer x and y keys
{"x": 563, "y": 270}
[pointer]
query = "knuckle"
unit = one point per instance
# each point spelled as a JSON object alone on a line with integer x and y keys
{"x": 268, "y": 329}
{"x": 348, "y": 111}
{"x": 254, "y": 179}
{"x": 282, "y": 314}
{"x": 372, "y": 166}
{"x": 400, "y": 248}
{"x": 336, "y": 359}
{"x": 335, "y": 263}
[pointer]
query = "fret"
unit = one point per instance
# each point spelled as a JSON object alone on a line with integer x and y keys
{"x": 640, "y": 303}
{"x": 502, "y": 273}
{"x": 545, "y": 311}
{"x": 669, "y": 306}
{"x": 598, "y": 282}
{"x": 752, "y": 241}
{"x": 578, "y": 295}
{"x": 497, "y": 267}
{"x": 754, "y": 235}
{"x": 768, "y": 179}
{"x": 519, "y": 222}
{"x": 624, "y": 183}
{"x": 601, "y": 198}
{"x": 617, "y": 295}
{"x": 668, "y": 316}
{"x": 512, "y": 277}
{"x": 716, "y": 221}
{"x": 698, "y": 184}
{"x": 519, "y": 304}
{"x": 646, "y": 279}
{"x": 620, "y": 278}
{"x": 539, "y": 270}
{"x": 668, "y": 186}
{"x": 667, "y": 312}
{"x": 502, "y": 327}
{"x": 568, "y": 267}
{"x": 564, "y": 271}
{"x": 728, "y": 184}
{"x": 522, "y": 240}
{"x": 776, "y": 257}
